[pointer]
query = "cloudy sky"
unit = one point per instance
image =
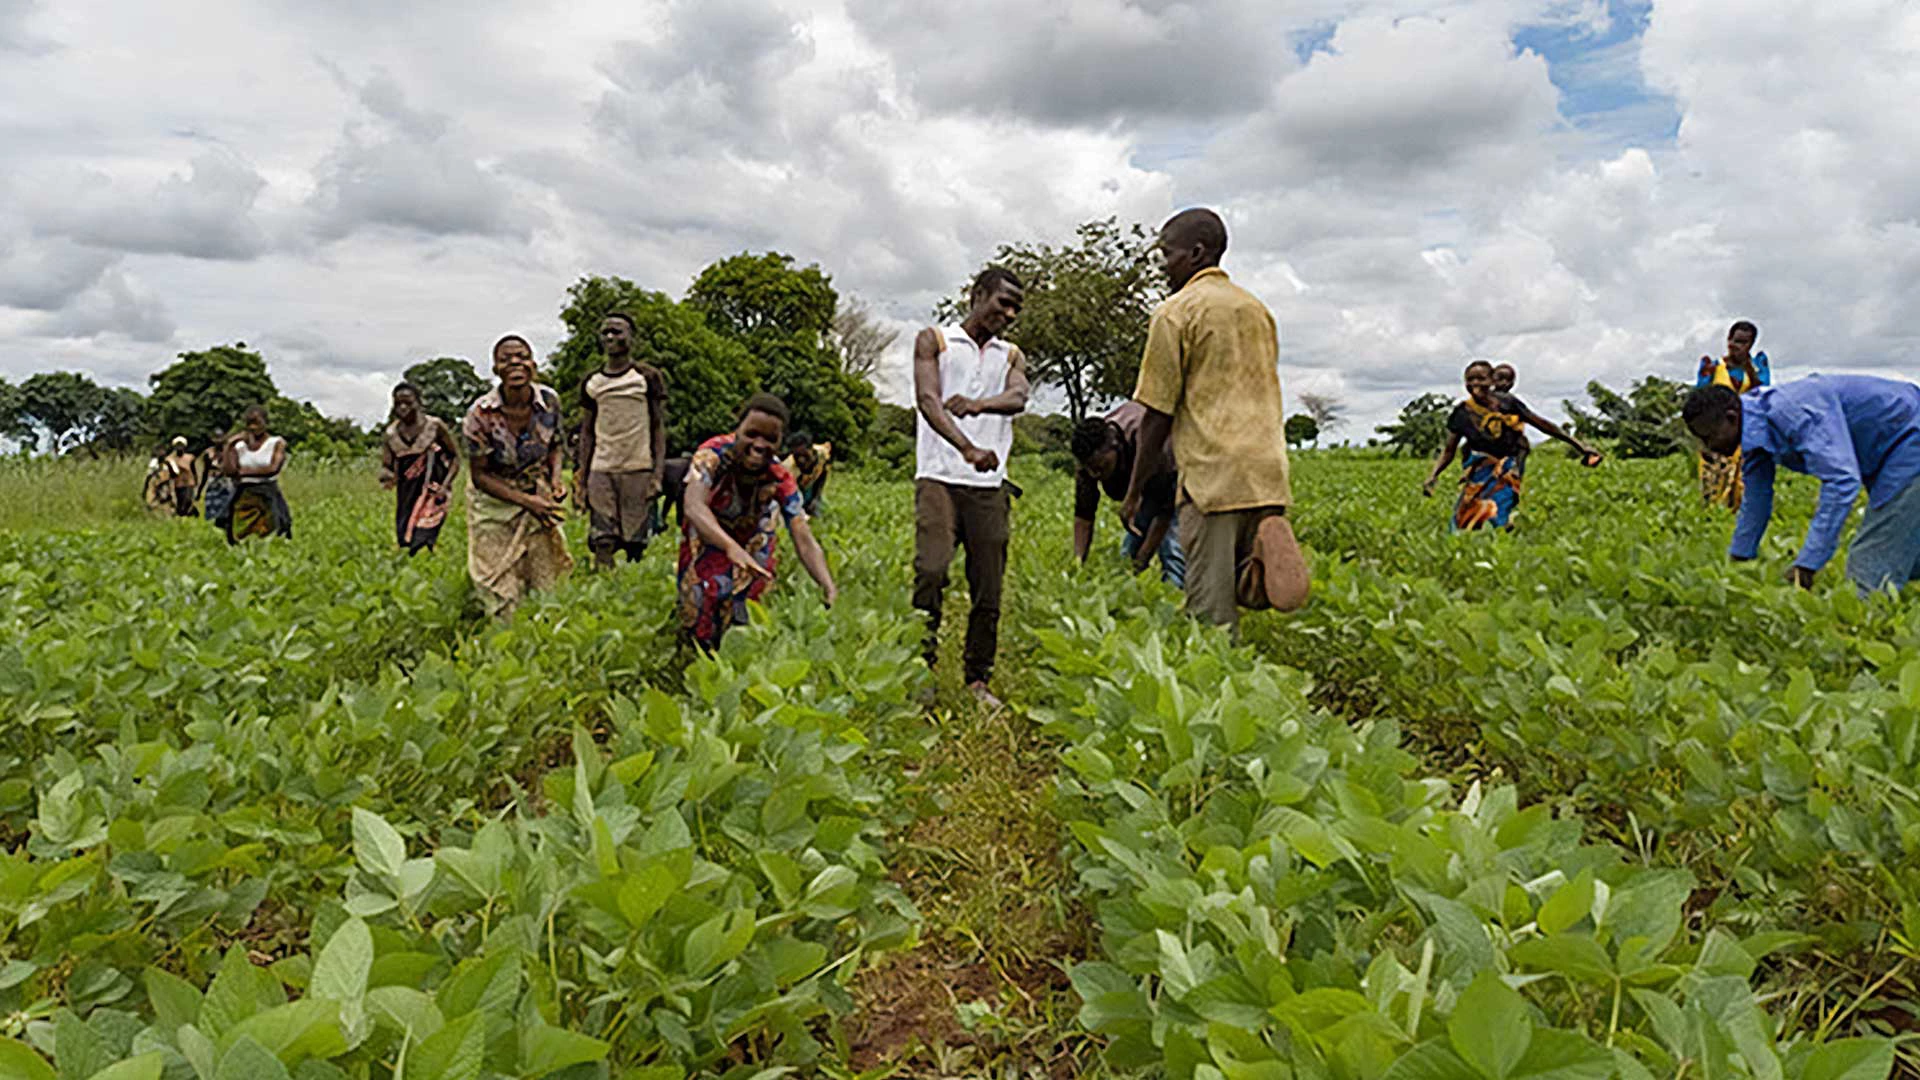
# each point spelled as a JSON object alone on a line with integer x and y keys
{"x": 1586, "y": 188}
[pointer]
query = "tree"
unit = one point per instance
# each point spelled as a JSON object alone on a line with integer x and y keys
{"x": 1083, "y": 325}
{"x": 13, "y": 422}
{"x": 784, "y": 316}
{"x": 1328, "y": 412}
{"x": 1302, "y": 429}
{"x": 745, "y": 295}
{"x": 708, "y": 374}
{"x": 202, "y": 394}
{"x": 863, "y": 342}
{"x": 1645, "y": 423}
{"x": 1421, "y": 428}
{"x": 120, "y": 419}
{"x": 63, "y": 404}
{"x": 447, "y": 385}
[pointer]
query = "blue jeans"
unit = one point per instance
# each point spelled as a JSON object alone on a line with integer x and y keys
{"x": 1173, "y": 561}
{"x": 1886, "y": 551}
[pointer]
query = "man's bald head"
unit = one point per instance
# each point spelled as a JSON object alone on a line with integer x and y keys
{"x": 1191, "y": 241}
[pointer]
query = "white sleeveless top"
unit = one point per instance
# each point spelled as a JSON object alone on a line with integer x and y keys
{"x": 970, "y": 370}
{"x": 255, "y": 459}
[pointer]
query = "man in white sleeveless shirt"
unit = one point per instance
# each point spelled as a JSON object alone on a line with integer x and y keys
{"x": 968, "y": 384}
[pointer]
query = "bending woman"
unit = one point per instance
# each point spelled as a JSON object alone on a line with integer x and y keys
{"x": 1492, "y": 425}
{"x": 514, "y": 493}
{"x": 418, "y": 460}
{"x": 736, "y": 496}
{"x": 254, "y": 459}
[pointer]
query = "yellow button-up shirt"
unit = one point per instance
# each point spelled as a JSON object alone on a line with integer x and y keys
{"x": 1212, "y": 363}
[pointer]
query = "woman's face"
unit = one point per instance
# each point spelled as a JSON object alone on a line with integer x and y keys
{"x": 1480, "y": 385}
{"x": 1740, "y": 344}
{"x": 406, "y": 406}
{"x": 758, "y": 437}
{"x": 256, "y": 423}
{"x": 513, "y": 364}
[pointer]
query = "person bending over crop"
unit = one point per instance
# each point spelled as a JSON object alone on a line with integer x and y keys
{"x": 809, "y": 462}
{"x": 1853, "y": 432}
{"x": 418, "y": 460}
{"x": 515, "y": 498}
{"x": 623, "y": 442}
{"x": 735, "y": 498}
{"x": 1210, "y": 378}
{"x": 254, "y": 459}
{"x": 1104, "y": 446}
{"x": 1492, "y": 425}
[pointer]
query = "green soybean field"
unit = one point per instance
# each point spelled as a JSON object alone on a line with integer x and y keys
{"x": 1579, "y": 802}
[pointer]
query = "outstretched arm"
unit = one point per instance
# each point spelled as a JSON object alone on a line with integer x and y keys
{"x": 813, "y": 557}
{"x": 696, "y": 508}
{"x": 1590, "y": 456}
{"x": 1447, "y": 453}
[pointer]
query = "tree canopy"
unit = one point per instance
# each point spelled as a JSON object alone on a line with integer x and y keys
{"x": 202, "y": 394}
{"x": 447, "y": 385}
{"x": 63, "y": 404}
{"x": 1421, "y": 428}
{"x": 1083, "y": 325}
{"x": 1643, "y": 423}
{"x": 1302, "y": 429}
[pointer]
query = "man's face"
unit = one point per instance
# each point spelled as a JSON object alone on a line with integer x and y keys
{"x": 1720, "y": 434}
{"x": 1503, "y": 379}
{"x": 405, "y": 407}
{"x": 1101, "y": 464}
{"x": 616, "y": 338}
{"x": 997, "y": 309}
{"x": 1740, "y": 344}
{"x": 758, "y": 437}
{"x": 1178, "y": 263}
{"x": 513, "y": 364}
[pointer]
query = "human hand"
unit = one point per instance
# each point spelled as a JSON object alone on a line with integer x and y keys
{"x": 744, "y": 563}
{"x": 549, "y": 512}
{"x": 981, "y": 460}
{"x": 1130, "y": 510}
{"x": 1591, "y": 457}
{"x": 962, "y": 406}
{"x": 830, "y": 594}
{"x": 388, "y": 482}
{"x": 1426, "y": 489}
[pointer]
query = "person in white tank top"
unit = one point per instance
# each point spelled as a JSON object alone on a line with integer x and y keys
{"x": 968, "y": 385}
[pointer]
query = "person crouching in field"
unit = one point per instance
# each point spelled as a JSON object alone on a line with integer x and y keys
{"x": 1104, "y": 447}
{"x": 1210, "y": 379}
{"x": 736, "y": 495}
{"x": 254, "y": 459}
{"x": 418, "y": 461}
{"x": 1852, "y": 432}
{"x": 1492, "y": 425}
{"x": 514, "y": 494}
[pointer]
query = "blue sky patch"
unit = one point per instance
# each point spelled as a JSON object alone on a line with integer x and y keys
{"x": 1602, "y": 91}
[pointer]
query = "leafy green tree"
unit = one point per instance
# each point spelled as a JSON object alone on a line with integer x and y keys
{"x": 13, "y": 422}
{"x": 1083, "y": 325}
{"x": 63, "y": 404}
{"x": 202, "y": 394}
{"x": 1302, "y": 429}
{"x": 1421, "y": 428}
{"x": 1643, "y": 423}
{"x": 120, "y": 420}
{"x": 448, "y": 385}
{"x": 708, "y": 374}
{"x": 747, "y": 295}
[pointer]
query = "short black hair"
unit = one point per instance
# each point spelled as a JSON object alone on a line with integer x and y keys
{"x": 1707, "y": 401}
{"x": 1488, "y": 364}
{"x": 990, "y": 279}
{"x": 632, "y": 327}
{"x": 800, "y": 438}
{"x": 1090, "y": 437}
{"x": 1744, "y": 325}
{"x": 1508, "y": 366}
{"x": 256, "y": 407}
{"x": 1198, "y": 225}
{"x": 764, "y": 403}
{"x": 406, "y": 387}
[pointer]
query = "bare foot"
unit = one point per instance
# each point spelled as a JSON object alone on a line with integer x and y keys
{"x": 984, "y": 696}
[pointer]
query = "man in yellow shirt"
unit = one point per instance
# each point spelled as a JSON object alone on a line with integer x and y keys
{"x": 1210, "y": 379}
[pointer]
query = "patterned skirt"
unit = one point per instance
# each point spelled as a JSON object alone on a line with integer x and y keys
{"x": 1489, "y": 492}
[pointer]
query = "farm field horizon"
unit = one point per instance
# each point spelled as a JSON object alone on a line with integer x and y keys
{"x": 1586, "y": 800}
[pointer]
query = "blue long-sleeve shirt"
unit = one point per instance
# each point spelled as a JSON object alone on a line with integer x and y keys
{"x": 1849, "y": 431}
{"x": 1762, "y": 370}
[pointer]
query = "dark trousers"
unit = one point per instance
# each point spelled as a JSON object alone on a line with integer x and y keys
{"x": 946, "y": 515}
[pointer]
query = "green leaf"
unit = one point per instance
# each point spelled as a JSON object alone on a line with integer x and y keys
{"x": 174, "y": 1000}
{"x": 1431, "y": 1060}
{"x": 18, "y": 1061}
{"x": 483, "y": 984}
{"x": 1568, "y": 905}
{"x": 834, "y": 893}
{"x": 455, "y": 1052}
{"x": 1575, "y": 956}
{"x": 376, "y": 846}
{"x": 248, "y": 1060}
{"x": 79, "y": 1050}
{"x": 643, "y": 894}
{"x": 293, "y": 1032}
{"x": 547, "y": 1049}
{"x": 340, "y": 973}
{"x": 1563, "y": 1055}
{"x": 406, "y": 1010}
{"x": 1490, "y": 1028}
{"x": 238, "y": 991}
{"x": 717, "y": 941}
{"x": 1850, "y": 1059}
{"x": 145, "y": 1067}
